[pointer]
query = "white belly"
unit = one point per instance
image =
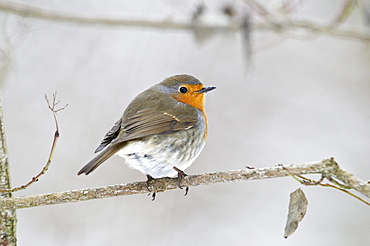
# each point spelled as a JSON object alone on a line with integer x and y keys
{"x": 156, "y": 156}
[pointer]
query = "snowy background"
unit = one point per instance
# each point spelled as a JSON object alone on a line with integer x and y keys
{"x": 295, "y": 101}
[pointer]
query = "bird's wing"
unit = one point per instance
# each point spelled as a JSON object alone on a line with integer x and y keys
{"x": 140, "y": 124}
{"x": 146, "y": 122}
{"x": 110, "y": 136}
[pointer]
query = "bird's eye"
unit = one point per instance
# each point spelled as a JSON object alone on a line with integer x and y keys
{"x": 183, "y": 89}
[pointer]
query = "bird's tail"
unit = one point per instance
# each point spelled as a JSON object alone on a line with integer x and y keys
{"x": 100, "y": 158}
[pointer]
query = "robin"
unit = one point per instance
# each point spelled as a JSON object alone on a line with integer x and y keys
{"x": 161, "y": 132}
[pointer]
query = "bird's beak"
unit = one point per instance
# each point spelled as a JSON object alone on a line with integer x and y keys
{"x": 206, "y": 89}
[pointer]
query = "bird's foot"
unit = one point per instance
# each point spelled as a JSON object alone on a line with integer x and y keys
{"x": 180, "y": 176}
{"x": 150, "y": 179}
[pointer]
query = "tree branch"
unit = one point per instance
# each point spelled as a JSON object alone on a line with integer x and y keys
{"x": 336, "y": 185}
{"x": 8, "y": 218}
{"x": 327, "y": 167}
{"x": 29, "y": 11}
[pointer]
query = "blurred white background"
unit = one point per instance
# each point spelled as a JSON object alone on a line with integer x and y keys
{"x": 294, "y": 101}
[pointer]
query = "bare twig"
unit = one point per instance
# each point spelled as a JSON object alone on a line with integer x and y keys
{"x": 293, "y": 28}
{"x": 310, "y": 182}
{"x": 314, "y": 30}
{"x": 54, "y": 110}
{"x": 265, "y": 14}
{"x": 80, "y": 18}
{"x": 327, "y": 166}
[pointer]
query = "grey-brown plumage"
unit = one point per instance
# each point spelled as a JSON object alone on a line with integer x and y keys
{"x": 162, "y": 127}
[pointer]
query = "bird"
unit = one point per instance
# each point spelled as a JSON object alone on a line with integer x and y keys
{"x": 161, "y": 132}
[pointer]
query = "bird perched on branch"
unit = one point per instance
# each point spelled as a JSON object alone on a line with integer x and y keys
{"x": 161, "y": 132}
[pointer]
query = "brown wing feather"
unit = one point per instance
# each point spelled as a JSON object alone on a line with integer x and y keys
{"x": 146, "y": 123}
{"x": 100, "y": 158}
{"x": 141, "y": 124}
{"x": 110, "y": 136}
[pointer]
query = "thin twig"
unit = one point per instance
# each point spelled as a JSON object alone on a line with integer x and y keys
{"x": 293, "y": 28}
{"x": 34, "y": 179}
{"x": 54, "y": 110}
{"x": 310, "y": 182}
{"x": 263, "y": 13}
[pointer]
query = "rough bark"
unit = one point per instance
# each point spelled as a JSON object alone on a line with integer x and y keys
{"x": 8, "y": 219}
